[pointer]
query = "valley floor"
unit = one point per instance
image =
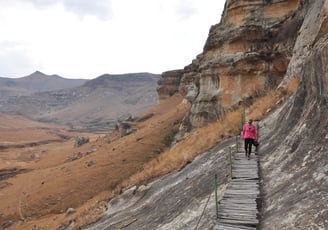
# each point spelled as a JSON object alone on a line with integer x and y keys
{"x": 43, "y": 174}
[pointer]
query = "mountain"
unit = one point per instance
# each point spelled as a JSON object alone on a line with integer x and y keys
{"x": 38, "y": 82}
{"x": 96, "y": 101}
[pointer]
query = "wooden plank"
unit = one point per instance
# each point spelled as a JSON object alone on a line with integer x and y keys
{"x": 236, "y": 221}
{"x": 245, "y": 169}
{"x": 245, "y": 172}
{"x": 241, "y": 187}
{"x": 250, "y": 196}
{"x": 243, "y": 191}
{"x": 236, "y": 192}
{"x": 243, "y": 215}
{"x": 242, "y": 180}
{"x": 234, "y": 205}
{"x": 238, "y": 186}
{"x": 236, "y": 202}
{"x": 241, "y": 210}
{"x": 234, "y": 227}
{"x": 245, "y": 175}
{"x": 241, "y": 203}
{"x": 237, "y": 208}
{"x": 248, "y": 191}
{"x": 240, "y": 216}
{"x": 245, "y": 164}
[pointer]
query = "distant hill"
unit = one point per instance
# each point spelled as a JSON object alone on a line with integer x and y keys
{"x": 38, "y": 82}
{"x": 97, "y": 101}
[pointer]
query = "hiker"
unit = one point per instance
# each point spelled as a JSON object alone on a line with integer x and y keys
{"x": 249, "y": 136}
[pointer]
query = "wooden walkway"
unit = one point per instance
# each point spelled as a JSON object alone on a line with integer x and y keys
{"x": 238, "y": 208}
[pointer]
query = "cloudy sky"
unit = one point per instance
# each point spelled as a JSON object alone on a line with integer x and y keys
{"x": 87, "y": 38}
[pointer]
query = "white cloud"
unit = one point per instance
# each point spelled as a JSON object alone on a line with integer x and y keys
{"x": 185, "y": 9}
{"x": 98, "y": 8}
{"x": 77, "y": 39}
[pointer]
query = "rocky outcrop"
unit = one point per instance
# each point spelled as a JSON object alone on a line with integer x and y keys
{"x": 245, "y": 54}
{"x": 168, "y": 84}
{"x": 80, "y": 141}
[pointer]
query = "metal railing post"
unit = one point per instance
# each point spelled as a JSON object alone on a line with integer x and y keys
{"x": 243, "y": 116}
{"x": 230, "y": 162}
{"x": 216, "y": 197}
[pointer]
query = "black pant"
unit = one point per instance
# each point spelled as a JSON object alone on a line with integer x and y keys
{"x": 248, "y": 145}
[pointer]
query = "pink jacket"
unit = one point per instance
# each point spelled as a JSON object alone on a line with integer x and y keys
{"x": 249, "y": 131}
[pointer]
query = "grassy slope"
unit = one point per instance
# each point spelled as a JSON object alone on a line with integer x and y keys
{"x": 44, "y": 194}
{"x": 54, "y": 184}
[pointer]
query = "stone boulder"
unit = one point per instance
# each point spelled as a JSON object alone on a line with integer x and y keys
{"x": 79, "y": 140}
{"x": 75, "y": 156}
{"x": 124, "y": 128}
{"x": 125, "y": 117}
{"x": 7, "y": 224}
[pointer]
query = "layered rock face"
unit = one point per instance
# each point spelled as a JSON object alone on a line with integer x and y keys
{"x": 245, "y": 54}
{"x": 295, "y": 163}
{"x": 168, "y": 84}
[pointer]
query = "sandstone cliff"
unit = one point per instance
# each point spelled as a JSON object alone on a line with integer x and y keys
{"x": 245, "y": 54}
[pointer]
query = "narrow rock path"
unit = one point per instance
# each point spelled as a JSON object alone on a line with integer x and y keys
{"x": 238, "y": 209}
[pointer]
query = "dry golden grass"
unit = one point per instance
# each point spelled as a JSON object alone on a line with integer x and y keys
{"x": 53, "y": 184}
{"x": 185, "y": 151}
{"x": 261, "y": 105}
{"x": 204, "y": 138}
{"x": 289, "y": 88}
